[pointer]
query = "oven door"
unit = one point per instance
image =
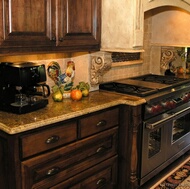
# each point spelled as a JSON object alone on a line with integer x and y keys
{"x": 179, "y": 140}
{"x": 164, "y": 137}
{"x": 154, "y": 146}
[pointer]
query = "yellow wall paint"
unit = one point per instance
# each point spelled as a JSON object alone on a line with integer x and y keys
{"x": 170, "y": 27}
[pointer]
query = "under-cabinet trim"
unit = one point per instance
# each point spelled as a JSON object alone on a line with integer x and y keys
{"x": 127, "y": 63}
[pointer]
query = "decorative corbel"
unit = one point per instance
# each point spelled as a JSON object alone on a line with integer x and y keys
{"x": 167, "y": 56}
{"x": 100, "y": 63}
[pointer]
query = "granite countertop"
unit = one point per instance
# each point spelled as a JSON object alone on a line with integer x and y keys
{"x": 60, "y": 111}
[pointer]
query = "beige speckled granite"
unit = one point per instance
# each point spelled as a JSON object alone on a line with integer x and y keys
{"x": 59, "y": 111}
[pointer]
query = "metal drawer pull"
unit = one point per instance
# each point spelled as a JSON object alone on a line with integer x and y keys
{"x": 101, "y": 123}
{"x": 101, "y": 181}
{"x": 101, "y": 149}
{"x": 61, "y": 39}
{"x": 52, "y": 139}
{"x": 53, "y": 38}
{"x": 53, "y": 171}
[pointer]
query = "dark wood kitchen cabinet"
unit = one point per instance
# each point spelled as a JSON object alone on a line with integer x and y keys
{"x": 78, "y": 153}
{"x": 79, "y": 23}
{"x": 49, "y": 25}
{"x": 25, "y": 24}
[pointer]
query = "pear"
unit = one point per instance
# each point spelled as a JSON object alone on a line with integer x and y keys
{"x": 85, "y": 92}
{"x": 57, "y": 96}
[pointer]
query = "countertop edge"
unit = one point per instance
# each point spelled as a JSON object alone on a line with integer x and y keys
{"x": 41, "y": 123}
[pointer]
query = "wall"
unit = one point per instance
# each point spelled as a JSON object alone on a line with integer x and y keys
{"x": 152, "y": 53}
{"x": 135, "y": 69}
{"x": 170, "y": 26}
{"x": 164, "y": 27}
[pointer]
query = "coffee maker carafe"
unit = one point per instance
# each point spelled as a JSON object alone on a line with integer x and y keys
{"x": 22, "y": 87}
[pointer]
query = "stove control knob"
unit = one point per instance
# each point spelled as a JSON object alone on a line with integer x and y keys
{"x": 168, "y": 104}
{"x": 159, "y": 108}
{"x": 153, "y": 109}
{"x": 165, "y": 104}
{"x": 185, "y": 98}
{"x": 150, "y": 109}
{"x": 172, "y": 104}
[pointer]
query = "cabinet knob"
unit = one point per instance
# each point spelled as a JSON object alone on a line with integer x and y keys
{"x": 101, "y": 123}
{"x": 53, "y": 171}
{"x": 52, "y": 139}
{"x": 101, "y": 181}
{"x": 61, "y": 39}
{"x": 53, "y": 38}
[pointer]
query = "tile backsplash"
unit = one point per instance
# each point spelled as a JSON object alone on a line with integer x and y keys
{"x": 81, "y": 60}
{"x": 82, "y": 65}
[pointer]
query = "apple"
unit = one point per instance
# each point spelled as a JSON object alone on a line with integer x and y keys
{"x": 76, "y": 94}
{"x": 180, "y": 70}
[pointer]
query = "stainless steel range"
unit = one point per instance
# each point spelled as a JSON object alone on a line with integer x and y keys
{"x": 165, "y": 132}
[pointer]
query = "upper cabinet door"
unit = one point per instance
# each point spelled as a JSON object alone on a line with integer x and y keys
{"x": 122, "y": 25}
{"x": 49, "y": 26}
{"x": 79, "y": 24}
{"x": 26, "y": 23}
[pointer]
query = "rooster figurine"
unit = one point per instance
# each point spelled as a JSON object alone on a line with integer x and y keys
{"x": 70, "y": 72}
{"x": 68, "y": 76}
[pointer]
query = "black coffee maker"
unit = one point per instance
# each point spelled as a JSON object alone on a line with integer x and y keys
{"x": 22, "y": 87}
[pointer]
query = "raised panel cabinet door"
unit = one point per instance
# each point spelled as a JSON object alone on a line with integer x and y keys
{"x": 79, "y": 22}
{"x": 27, "y": 23}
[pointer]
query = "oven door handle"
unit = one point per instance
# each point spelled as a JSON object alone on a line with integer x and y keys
{"x": 183, "y": 111}
{"x": 170, "y": 115}
{"x": 156, "y": 124}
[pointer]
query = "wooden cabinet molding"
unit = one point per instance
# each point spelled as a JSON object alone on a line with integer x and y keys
{"x": 129, "y": 151}
{"x": 138, "y": 24}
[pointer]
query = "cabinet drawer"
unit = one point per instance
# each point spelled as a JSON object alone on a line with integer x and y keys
{"x": 49, "y": 169}
{"x": 98, "y": 122}
{"x": 104, "y": 175}
{"x": 47, "y": 139}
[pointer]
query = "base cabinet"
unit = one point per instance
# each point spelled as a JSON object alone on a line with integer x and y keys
{"x": 77, "y": 154}
{"x": 101, "y": 176}
{"x": 44, "y": 171}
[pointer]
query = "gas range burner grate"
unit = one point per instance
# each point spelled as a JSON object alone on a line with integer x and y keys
{"x": 160, "y": 79}
{"x": 127, "y": 89}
